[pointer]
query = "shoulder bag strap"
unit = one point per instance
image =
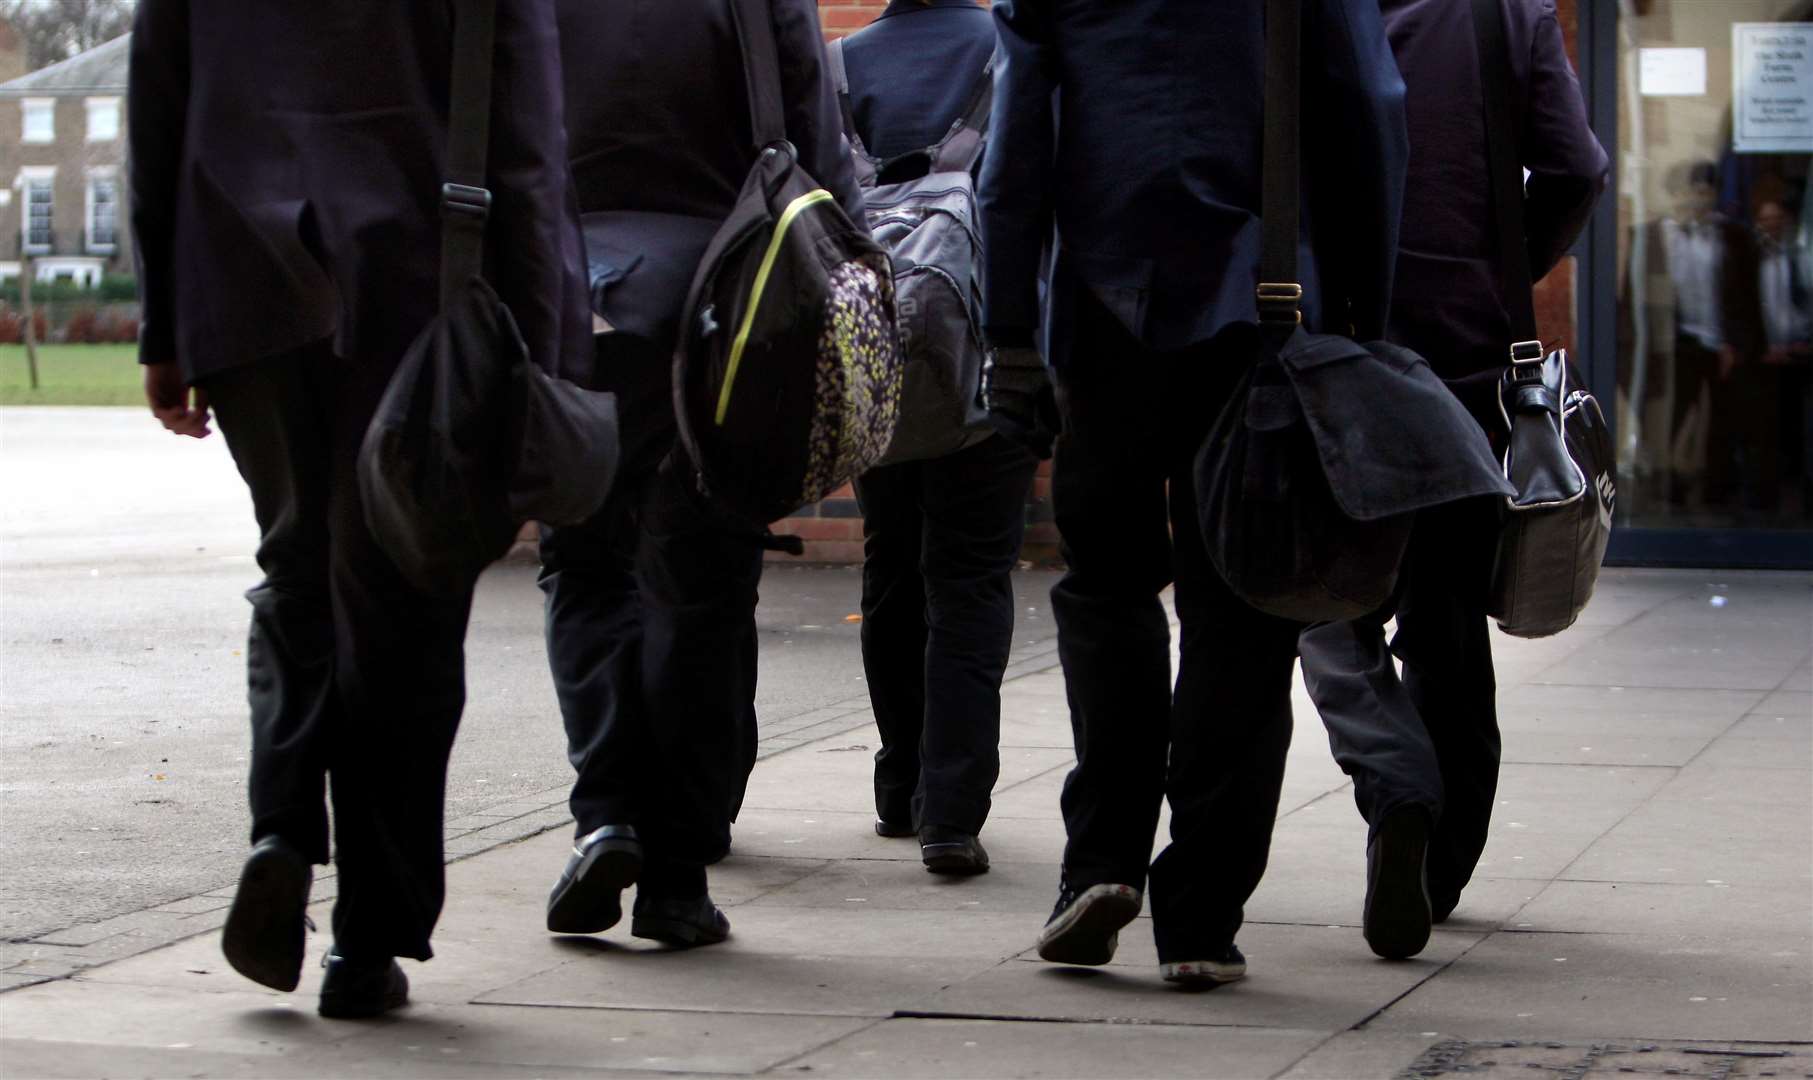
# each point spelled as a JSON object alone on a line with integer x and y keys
{"x": 1506, "y": 172}
{"x": 1280, "y": 293}
{"x": 865, "y": 164}
{"x": 761, "y": 70}
{"x": 465, "y": 200}
{"x": 962, "y": 148}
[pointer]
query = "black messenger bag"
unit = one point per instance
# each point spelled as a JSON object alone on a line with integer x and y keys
{"x": 472, "y": 437}
{"x": 1310, "y": 478}
{"x": 1560, "y": 457}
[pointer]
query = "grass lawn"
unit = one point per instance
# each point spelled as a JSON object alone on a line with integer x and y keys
{"x": 72, "y": 375}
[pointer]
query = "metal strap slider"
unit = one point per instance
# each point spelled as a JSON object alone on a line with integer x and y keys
{"x": 465, "y": 199}
{"x": 1279, "y": 300}
{"x": 1526, "y": 352}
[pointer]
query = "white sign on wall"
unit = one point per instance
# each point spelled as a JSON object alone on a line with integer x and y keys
{"x": 1772, "y": 88}
{"x": 1671, "y": 72}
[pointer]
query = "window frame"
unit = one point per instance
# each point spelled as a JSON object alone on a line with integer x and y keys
{"x": 111, "y": 175}
{"x": 27, "y": 108}
{"x": 29, "y": 176}
{"x": 111, "y": 103}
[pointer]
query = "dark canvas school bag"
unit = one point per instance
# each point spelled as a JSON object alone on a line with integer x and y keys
{"x": 1559, "y": 455}
{"x": 1308, "y": 482}
{"x": 787, "y": 375}
{"x": 922, "y": 207}
{"x": 472, "y": 437}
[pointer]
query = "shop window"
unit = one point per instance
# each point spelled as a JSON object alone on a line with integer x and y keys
{"x": 1715, "y": 372}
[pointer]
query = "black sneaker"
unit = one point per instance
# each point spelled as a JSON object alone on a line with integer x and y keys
{"x": 361, "y": 989}
{"x": 951, "y": 851}
{"x": 1397, "y": 914}
{"x": 1223, "y": 965}
{"x": 1085, "y": 926}
{"x": 894, "y": 830}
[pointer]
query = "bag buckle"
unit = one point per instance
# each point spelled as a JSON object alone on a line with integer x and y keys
{"x": 1526, "y": 352}
{"x": 465, "y": 199}
{"x": 1279, "y": 302}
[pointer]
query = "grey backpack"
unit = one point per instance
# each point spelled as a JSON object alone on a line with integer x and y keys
{"x": 927, "y": 222}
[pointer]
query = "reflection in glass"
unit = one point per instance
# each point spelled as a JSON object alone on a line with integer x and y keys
{"x": 1715, "y": 399}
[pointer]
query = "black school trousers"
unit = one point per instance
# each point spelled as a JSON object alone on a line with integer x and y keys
{"x": 1214, "y": 741}
{"x": 1428, "y": 737}
{"x": 651, "y": 635}
{"x": 940, "y": 541}
{"x": 353, "y": 673}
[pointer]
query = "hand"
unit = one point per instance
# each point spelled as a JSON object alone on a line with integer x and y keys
{"x": 1017, "y": 392}
{"x": 182, "y": 409}
{"x": 1727, "y": 361}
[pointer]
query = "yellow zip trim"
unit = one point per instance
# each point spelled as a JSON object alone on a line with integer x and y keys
{"x": 794, "y": 209}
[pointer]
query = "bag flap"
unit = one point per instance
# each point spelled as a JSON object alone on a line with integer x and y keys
{"x": 1391, "y": 437}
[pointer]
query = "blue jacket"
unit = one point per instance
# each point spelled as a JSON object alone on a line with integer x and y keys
{"x": 1135, "y": 129}
{"x": 287, "y": 162}
{"x": 914, "y": 70}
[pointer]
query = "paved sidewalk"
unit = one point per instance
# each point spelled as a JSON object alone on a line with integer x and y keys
{"x": 1645, "y": 908}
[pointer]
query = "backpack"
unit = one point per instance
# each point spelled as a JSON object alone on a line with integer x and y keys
{"x": 927, "y": 221}
{"x": 787, "y": 373}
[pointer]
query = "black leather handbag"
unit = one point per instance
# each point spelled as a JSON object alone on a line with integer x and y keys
{"x": 1559, "y": 456}
{"x": 472, "y": 437}
{"x": 1310, "y": 478}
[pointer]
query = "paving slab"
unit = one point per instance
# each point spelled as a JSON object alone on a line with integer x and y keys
{"x": 647, "y": 1040}
{"x": 730, "y": 978}
{"x": 1361, "y": 1054}
{"x": 1611, "y": 908}
{"x": 1615, "y": 986}
{"x": 940, "y": 1048}
{"x": 1733, "y": 844}
{"x": 24, "y": 1058}
{"x": 1305, "y": 977}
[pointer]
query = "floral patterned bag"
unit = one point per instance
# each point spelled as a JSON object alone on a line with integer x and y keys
{"x": 788, "y": 371}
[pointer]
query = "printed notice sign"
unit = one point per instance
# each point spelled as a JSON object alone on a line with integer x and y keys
{"x": 1772, "y": 88}
{"x": 1671, "y": 72}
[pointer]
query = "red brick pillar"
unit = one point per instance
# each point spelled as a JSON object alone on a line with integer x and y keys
{"x": 842, "y": 17}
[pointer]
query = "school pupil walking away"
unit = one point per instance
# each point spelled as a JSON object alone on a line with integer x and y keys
{"x": 287, "y": 171}
{"x": 651, "y": 604}
{"x": 941, "y": 527}
{"x": 1152, "y": 180}
{"x": 1423, "y": 748}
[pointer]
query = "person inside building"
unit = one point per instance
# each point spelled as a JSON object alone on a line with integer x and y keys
{"x": 1423, "y": 748}
{"x": 650, "y": 605}
{"x": 941, "y": 534}
{"x": 1152, "y": 182}
{"x": 287, "y": 171}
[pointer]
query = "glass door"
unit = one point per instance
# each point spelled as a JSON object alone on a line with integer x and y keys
{"x": 1710, "y": 246}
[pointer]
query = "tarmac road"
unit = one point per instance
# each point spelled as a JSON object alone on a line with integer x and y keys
{"x": 124, "y": 554}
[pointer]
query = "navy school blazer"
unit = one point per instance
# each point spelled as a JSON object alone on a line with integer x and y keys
{"x": 287, "y": 163}
{"x": 1134, "y": 131}
{"x": 660, "y": 140}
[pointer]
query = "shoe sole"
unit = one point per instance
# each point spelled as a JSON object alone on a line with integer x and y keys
{"x": 1397, "y": 918}
{"x": 1202, "y": 972}
{"x": 675, "y": 932}
{"x": 592, "y": 901}
{"x": 956, "y": 859}
{"x": 265, "y": 936}
{"x": 1088, "y": 932}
